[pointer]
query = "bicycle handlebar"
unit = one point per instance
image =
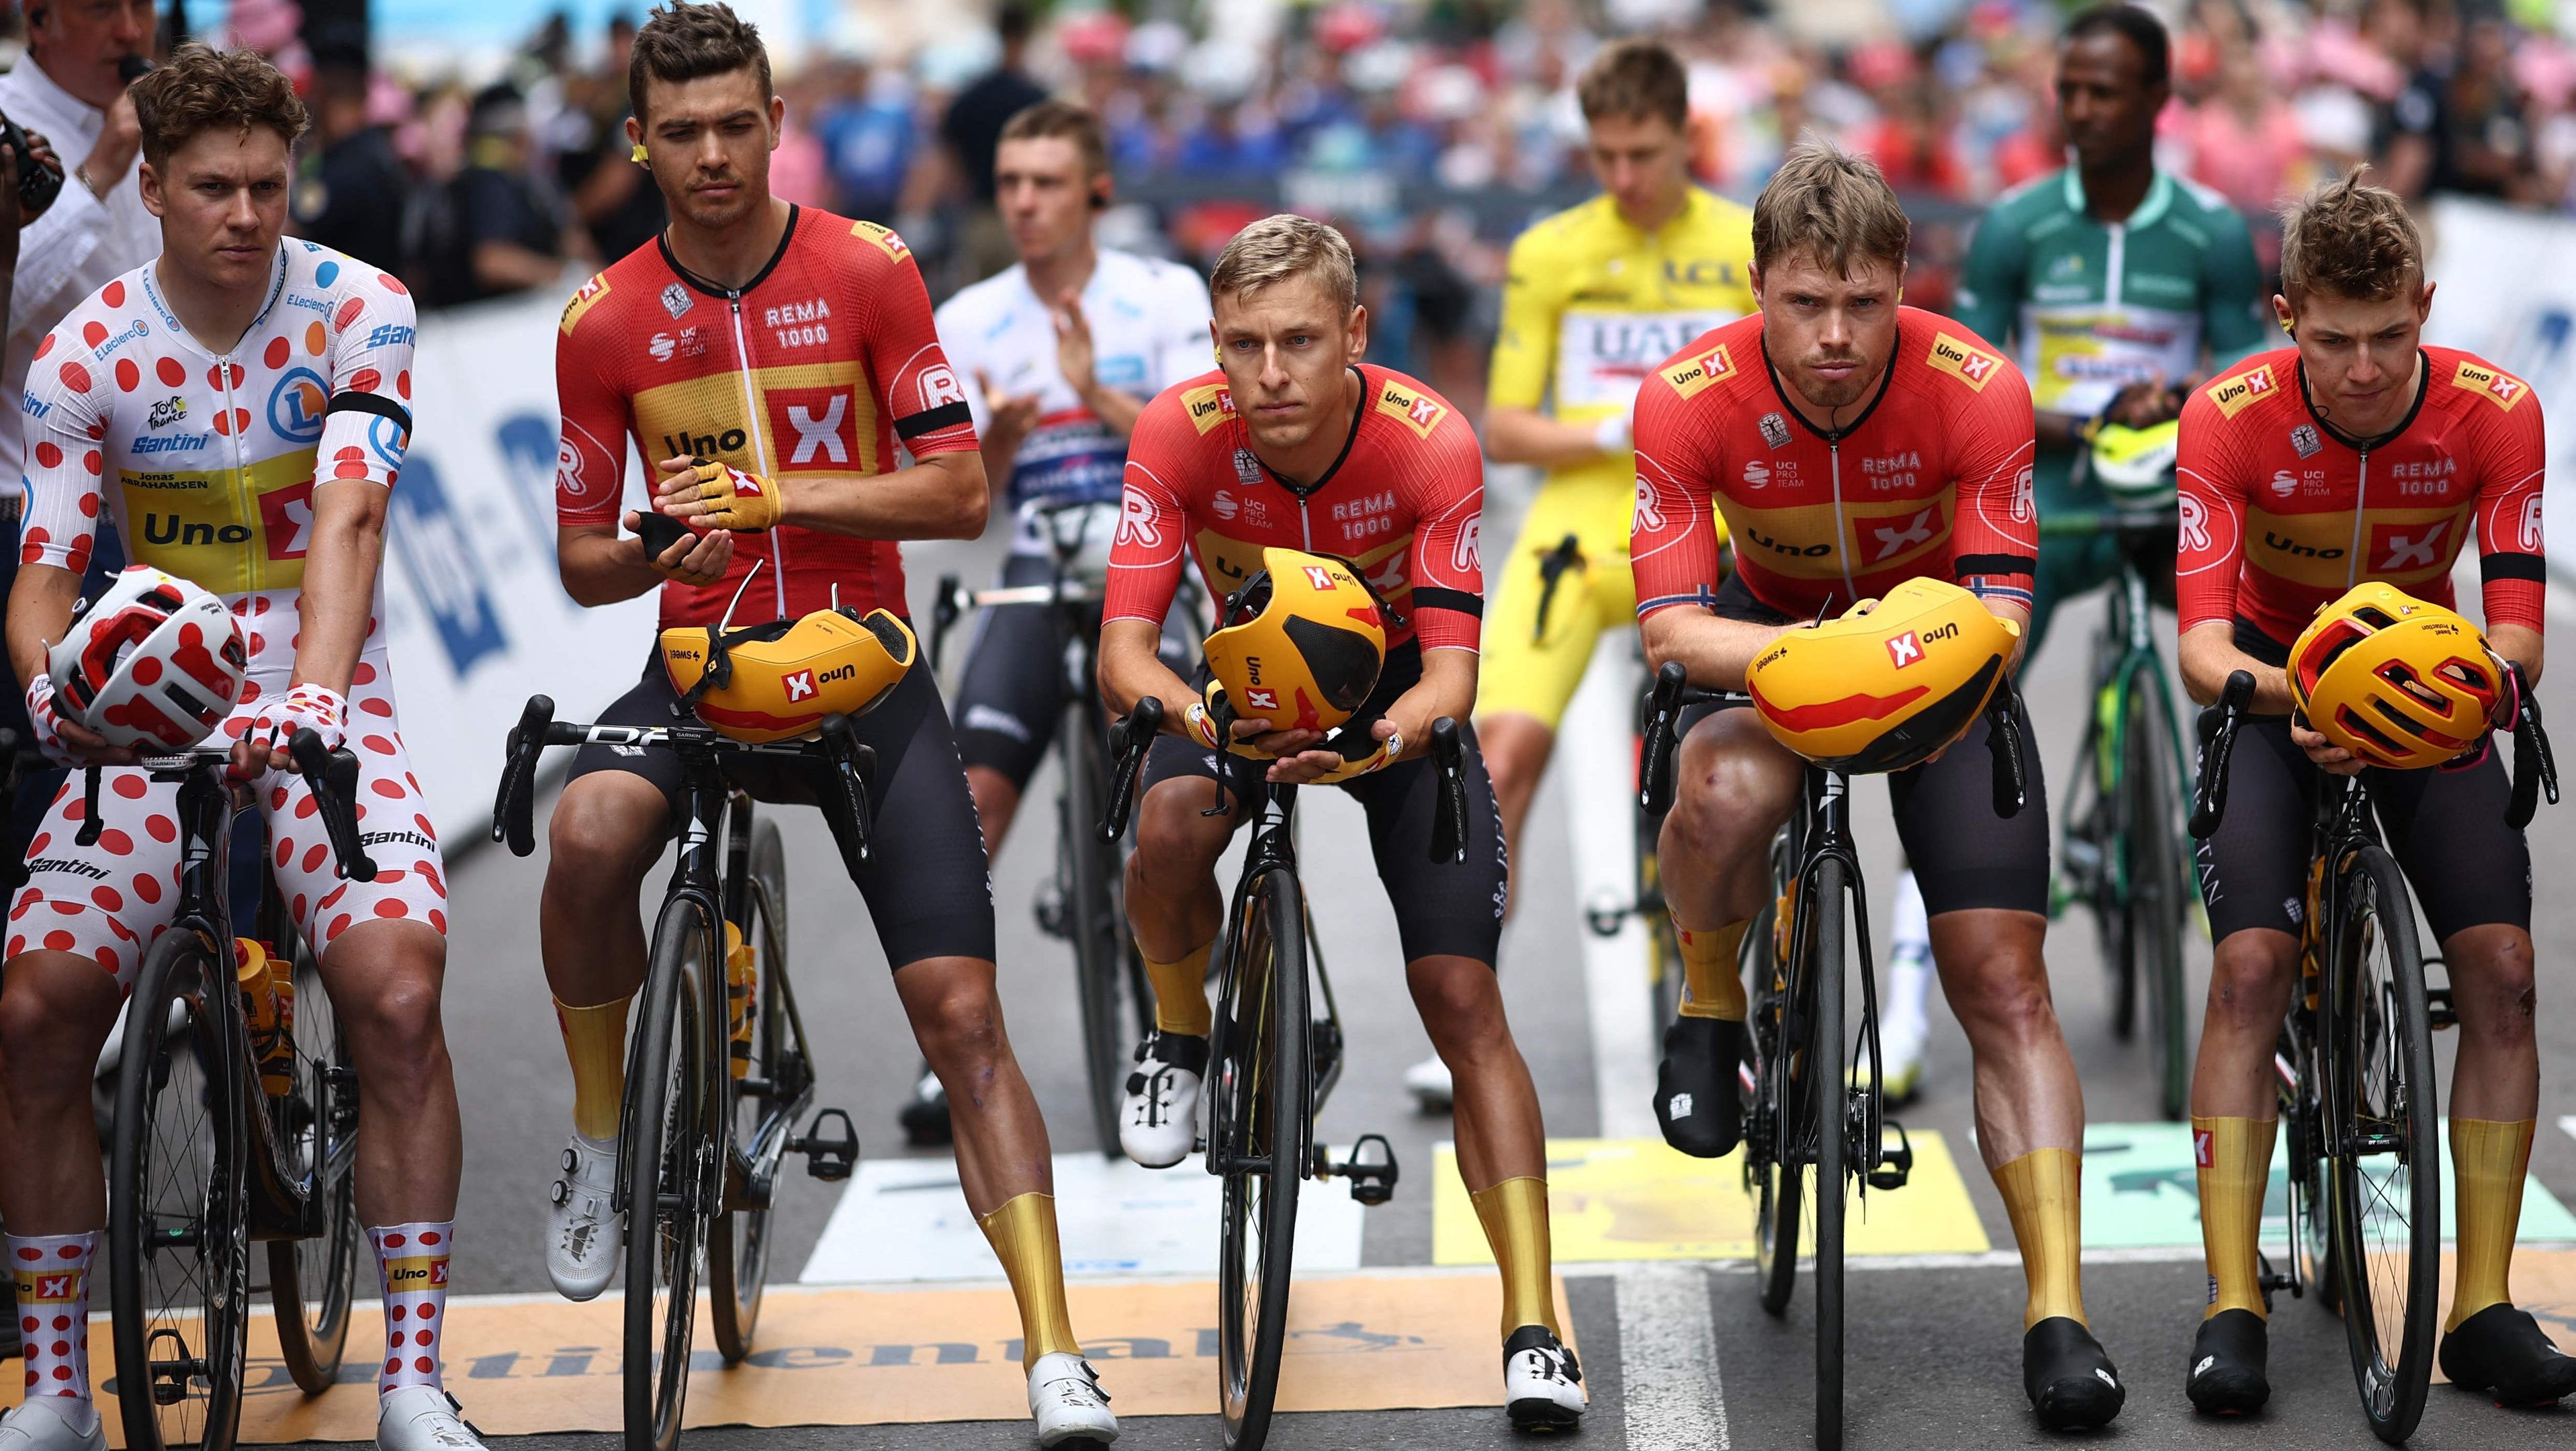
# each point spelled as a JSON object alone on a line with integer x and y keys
{"x": 1129, "y": 740}
{"x": 2218, "y": 742}
{"x": 1449, "y": 819}
{"x": 514, "y": 809}
{"x": 2003, "y": 742}
{"x": 947, "y": 607}
{"x": 2535, "y": 767}
{"x": 1671, "y": 694}
{"x": 332, "y": 777}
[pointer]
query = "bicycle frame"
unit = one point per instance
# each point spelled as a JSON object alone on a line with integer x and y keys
{"x": 1821, "y": 831}
{"x": 1273, "y": 849}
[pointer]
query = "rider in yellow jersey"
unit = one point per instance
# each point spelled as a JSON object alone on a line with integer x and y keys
{"x": 1597, "y": 296}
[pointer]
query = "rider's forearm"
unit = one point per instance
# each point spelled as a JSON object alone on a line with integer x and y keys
{"x": 600, "y": 566}
{"x": 941, "y": 497}
{"x": 2208, "y": 655}
{"x": 1131, "y": 670}
{"x": 2018, "y": 615}
{"x": 40, "y": 609}
{"x": 1714, "y": 651}
{"x": 1447, "y": 688}
{"x": 1527, "y": 436}
{"x": 338, "y": 597}
{"x": 2520, "y": 644}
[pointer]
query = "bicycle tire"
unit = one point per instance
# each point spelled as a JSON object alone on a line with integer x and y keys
{"x": 311, "y": 1281}
{"x": 1269, "y": 1103}
{"x": 1829, "y": 1050}
{"x": 2110, "y": 900}
{"x": 2303, "y": 1168}
{"x": 664, "y": 1167}
{"x": 178, "y": 1222}
{"x": 2153, "y": 876}
{"x": 1777, "y": 1181}
{"x": 738, "y": 1238}
{"x": 2377, "y": 1046}
{"x": 1663, "y": 942}
{"x": 1097, "y": 925}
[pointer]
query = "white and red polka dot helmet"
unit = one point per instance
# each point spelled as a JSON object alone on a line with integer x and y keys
{"x": 154, "y": 663}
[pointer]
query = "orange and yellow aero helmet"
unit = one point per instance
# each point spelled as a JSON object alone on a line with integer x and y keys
{"x": 1301, "y": 643}
{"x": 1888, "y": 684}
{"x": 2394, "y": 680}
{"x": 777, "y": 681}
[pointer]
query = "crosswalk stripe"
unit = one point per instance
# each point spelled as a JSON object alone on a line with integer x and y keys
{"x": 1594, "y": 749}
{"x": 1668, "y": 1373}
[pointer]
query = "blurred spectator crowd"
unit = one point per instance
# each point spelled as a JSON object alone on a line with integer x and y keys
{"x": 1432, "y": 129}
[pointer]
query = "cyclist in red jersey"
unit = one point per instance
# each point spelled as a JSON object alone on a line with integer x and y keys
{"x": 1294, "y": 442}
{"x": 1852, "y": 443}
{"x": 768, "y": 361}
{"x": 2359, "y": 455}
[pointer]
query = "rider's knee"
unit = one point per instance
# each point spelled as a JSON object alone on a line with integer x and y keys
{"x": 2492, "y": 981}
{"x": 598, "y": 843}
{"x": 52, "y": 1023}
{"x": 1459, "y": 999}
{"x": 1175, "y": 845}
{"x": 2250, "y": 972}
{"x": 960, "y": 1025}
{"x": 2007, "y": 995}
{"x": 388, "y": 1000}
{"x": 1731, "y": 799}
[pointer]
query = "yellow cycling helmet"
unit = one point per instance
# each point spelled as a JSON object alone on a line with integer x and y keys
{"x": 1887, "y": 685}
{"x": 2136, "y": 465}
{"x": 776, "y": 681}
{"x": 2394, "y": 680}
{"x": 1301, "y": 643}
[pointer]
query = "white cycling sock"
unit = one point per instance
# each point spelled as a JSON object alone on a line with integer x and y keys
{"x": 1909, "y": 964}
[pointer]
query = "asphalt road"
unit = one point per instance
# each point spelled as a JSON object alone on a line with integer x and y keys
{"x": 1933, "y": 1352}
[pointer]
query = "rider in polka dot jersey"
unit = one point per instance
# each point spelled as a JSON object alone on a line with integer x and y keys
{"x": 240, "y": 408}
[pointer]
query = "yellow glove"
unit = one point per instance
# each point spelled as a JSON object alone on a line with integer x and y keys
{"x": 1387, "y": 754}
{"x": 1201, "y": 724}
{"x": 744, "y": 503}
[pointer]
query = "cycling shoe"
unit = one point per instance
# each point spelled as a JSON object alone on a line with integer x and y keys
{"x": 2502, "y": 1351}
{"x": 1698, "y": 1099}
{"x": 2070, "y": 1381}
{"x": 2227, "y": 1364}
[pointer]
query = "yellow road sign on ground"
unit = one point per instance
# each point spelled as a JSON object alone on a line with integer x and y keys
{"x": 1638, "y": 1199}
{"x": 528, "y": 1365}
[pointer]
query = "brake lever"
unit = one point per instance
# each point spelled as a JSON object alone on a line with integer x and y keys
{"x": 1129, "y": 740}
{"x": 91, "y": 825}
{"x": 2218, "y": 730}
{"x": 945, "y": 610}
{"x": 2003, "y": 742}
{"x": 1655, "y": 758}
{"x": 514, "y": 809}
{"x": 853, "y": 766}
{"x": 1449, "y": 819}
{"x": 2535, "y": 768}
{"x": 332, "y": 777}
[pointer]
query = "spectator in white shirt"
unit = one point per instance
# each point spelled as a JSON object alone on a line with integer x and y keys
{"x": 71, "y": 87}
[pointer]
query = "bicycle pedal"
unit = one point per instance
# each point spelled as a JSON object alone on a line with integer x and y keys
{"x": 1049, "y": 910}
{"x": 1895, "y": 1164}
{"x": 1372, "y": 1178}
{"x": 2438, "y": 1009}
{"x": 1606, "y": 916}
{"x": 828, "y": 1157}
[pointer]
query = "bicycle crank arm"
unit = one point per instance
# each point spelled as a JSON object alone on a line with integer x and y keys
{"x": 1372, "y": 1177}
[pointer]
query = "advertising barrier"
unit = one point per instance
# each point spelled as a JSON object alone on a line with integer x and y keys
{"x": 476, "y": 619}
{"x": 2503, "y": 291}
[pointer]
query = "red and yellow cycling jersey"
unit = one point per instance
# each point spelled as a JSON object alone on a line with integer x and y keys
{"x": 2281, "y": 515}
{"x": 1401, "y": 505}
{"x": 819, "y": 366}
{"x": 1933, "y": 478}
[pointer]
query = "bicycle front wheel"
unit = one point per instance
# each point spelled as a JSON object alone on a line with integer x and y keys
{"x": 667, "y": 1188}
{"x": 1825, "y": 1050}
{"x": 1098, "y": 926}
{"x": 738, "y": 1241}
{"x": 1266, "y": 1095}
{"x": 178, "y": 1220}
{"x": 312, "y": 1280}
{"x": 2155, "y": 884}
{"x": 1774, "y": 1140}
{"x": 2383, "y": 1142}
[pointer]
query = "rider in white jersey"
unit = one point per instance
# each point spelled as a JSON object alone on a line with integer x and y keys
{"x": 1059, "y": 353}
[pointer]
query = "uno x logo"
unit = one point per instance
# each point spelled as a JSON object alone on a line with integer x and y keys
{"x": 1261, "y": 699}
{"x": 1894, "y": 541}
{"x": 2415, "y": 552}
{"x": 1318, "y": 577}
{"x": 819, "y": 437}
{"x": 800, "y": 686}
{"x": 1905, "y": 649}
{"x": 57, "y": 1287}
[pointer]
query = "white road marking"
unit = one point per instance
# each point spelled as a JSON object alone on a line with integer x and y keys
{"x": 1668, "y": 1373}
{"x": 2567, "y": 1124}
{"x": 1594, "y": 755}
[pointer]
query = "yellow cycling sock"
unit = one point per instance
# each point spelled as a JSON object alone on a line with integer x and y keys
{"x": 1514, "y": 1214}
{"x": 2488, "y": 1161}
{"x": 1180, "y": 993}
{"x": 2234, "y": 1156}
{"x": 2043, "y": 1193}
{"x": 1716, "y": 988}
{"x": 595, "y": 1045}
{"x": 1022, "y": 1233}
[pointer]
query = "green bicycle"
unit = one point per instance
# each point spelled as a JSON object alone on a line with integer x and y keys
{"x": 2123, "y": 851}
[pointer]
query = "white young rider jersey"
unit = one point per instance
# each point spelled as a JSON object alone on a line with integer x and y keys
{"x": 1149, "y": 330}
{"x": 206, "y": 461}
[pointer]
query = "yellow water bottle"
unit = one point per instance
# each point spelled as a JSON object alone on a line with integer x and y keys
{"x": 742, "y": 974}
{"x": 268, "y": 1002}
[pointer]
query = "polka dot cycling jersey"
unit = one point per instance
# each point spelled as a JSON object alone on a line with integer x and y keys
{"x": 109, "y": 900}
{"x": 208, "y": 461}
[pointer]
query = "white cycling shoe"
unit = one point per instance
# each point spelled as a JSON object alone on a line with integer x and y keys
{"x": 1542, "y": 1384}
{"x": 1066, "y": 1398}
{"x": 581, "y": 1229}
{"x": 46, "y": 1424}
{"x": 423, "y": 1418}
{"x": 1160, "y": 1123}
{"x": 1429, "y": 1083}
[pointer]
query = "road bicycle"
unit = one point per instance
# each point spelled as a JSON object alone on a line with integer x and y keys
{"x": 720, "y": 1068}
{"x": 228, "y": 1133}
{"x": 1259, "y": 1130}
{"x": 1810, "y": 1122}
{"x": 2122, "y": 852}
{"x": 2360, "y": 1109}
{"x": 1085, "y": 903}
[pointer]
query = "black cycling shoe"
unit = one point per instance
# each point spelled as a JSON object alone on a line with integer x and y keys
{"x": 2227, "y": 1365}
{"x": 1698, "y": 1100}
{"x": 2070, "y": 1381}
{"x": 925, "y": 1115}
{"x": 2502, "y": 1351}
